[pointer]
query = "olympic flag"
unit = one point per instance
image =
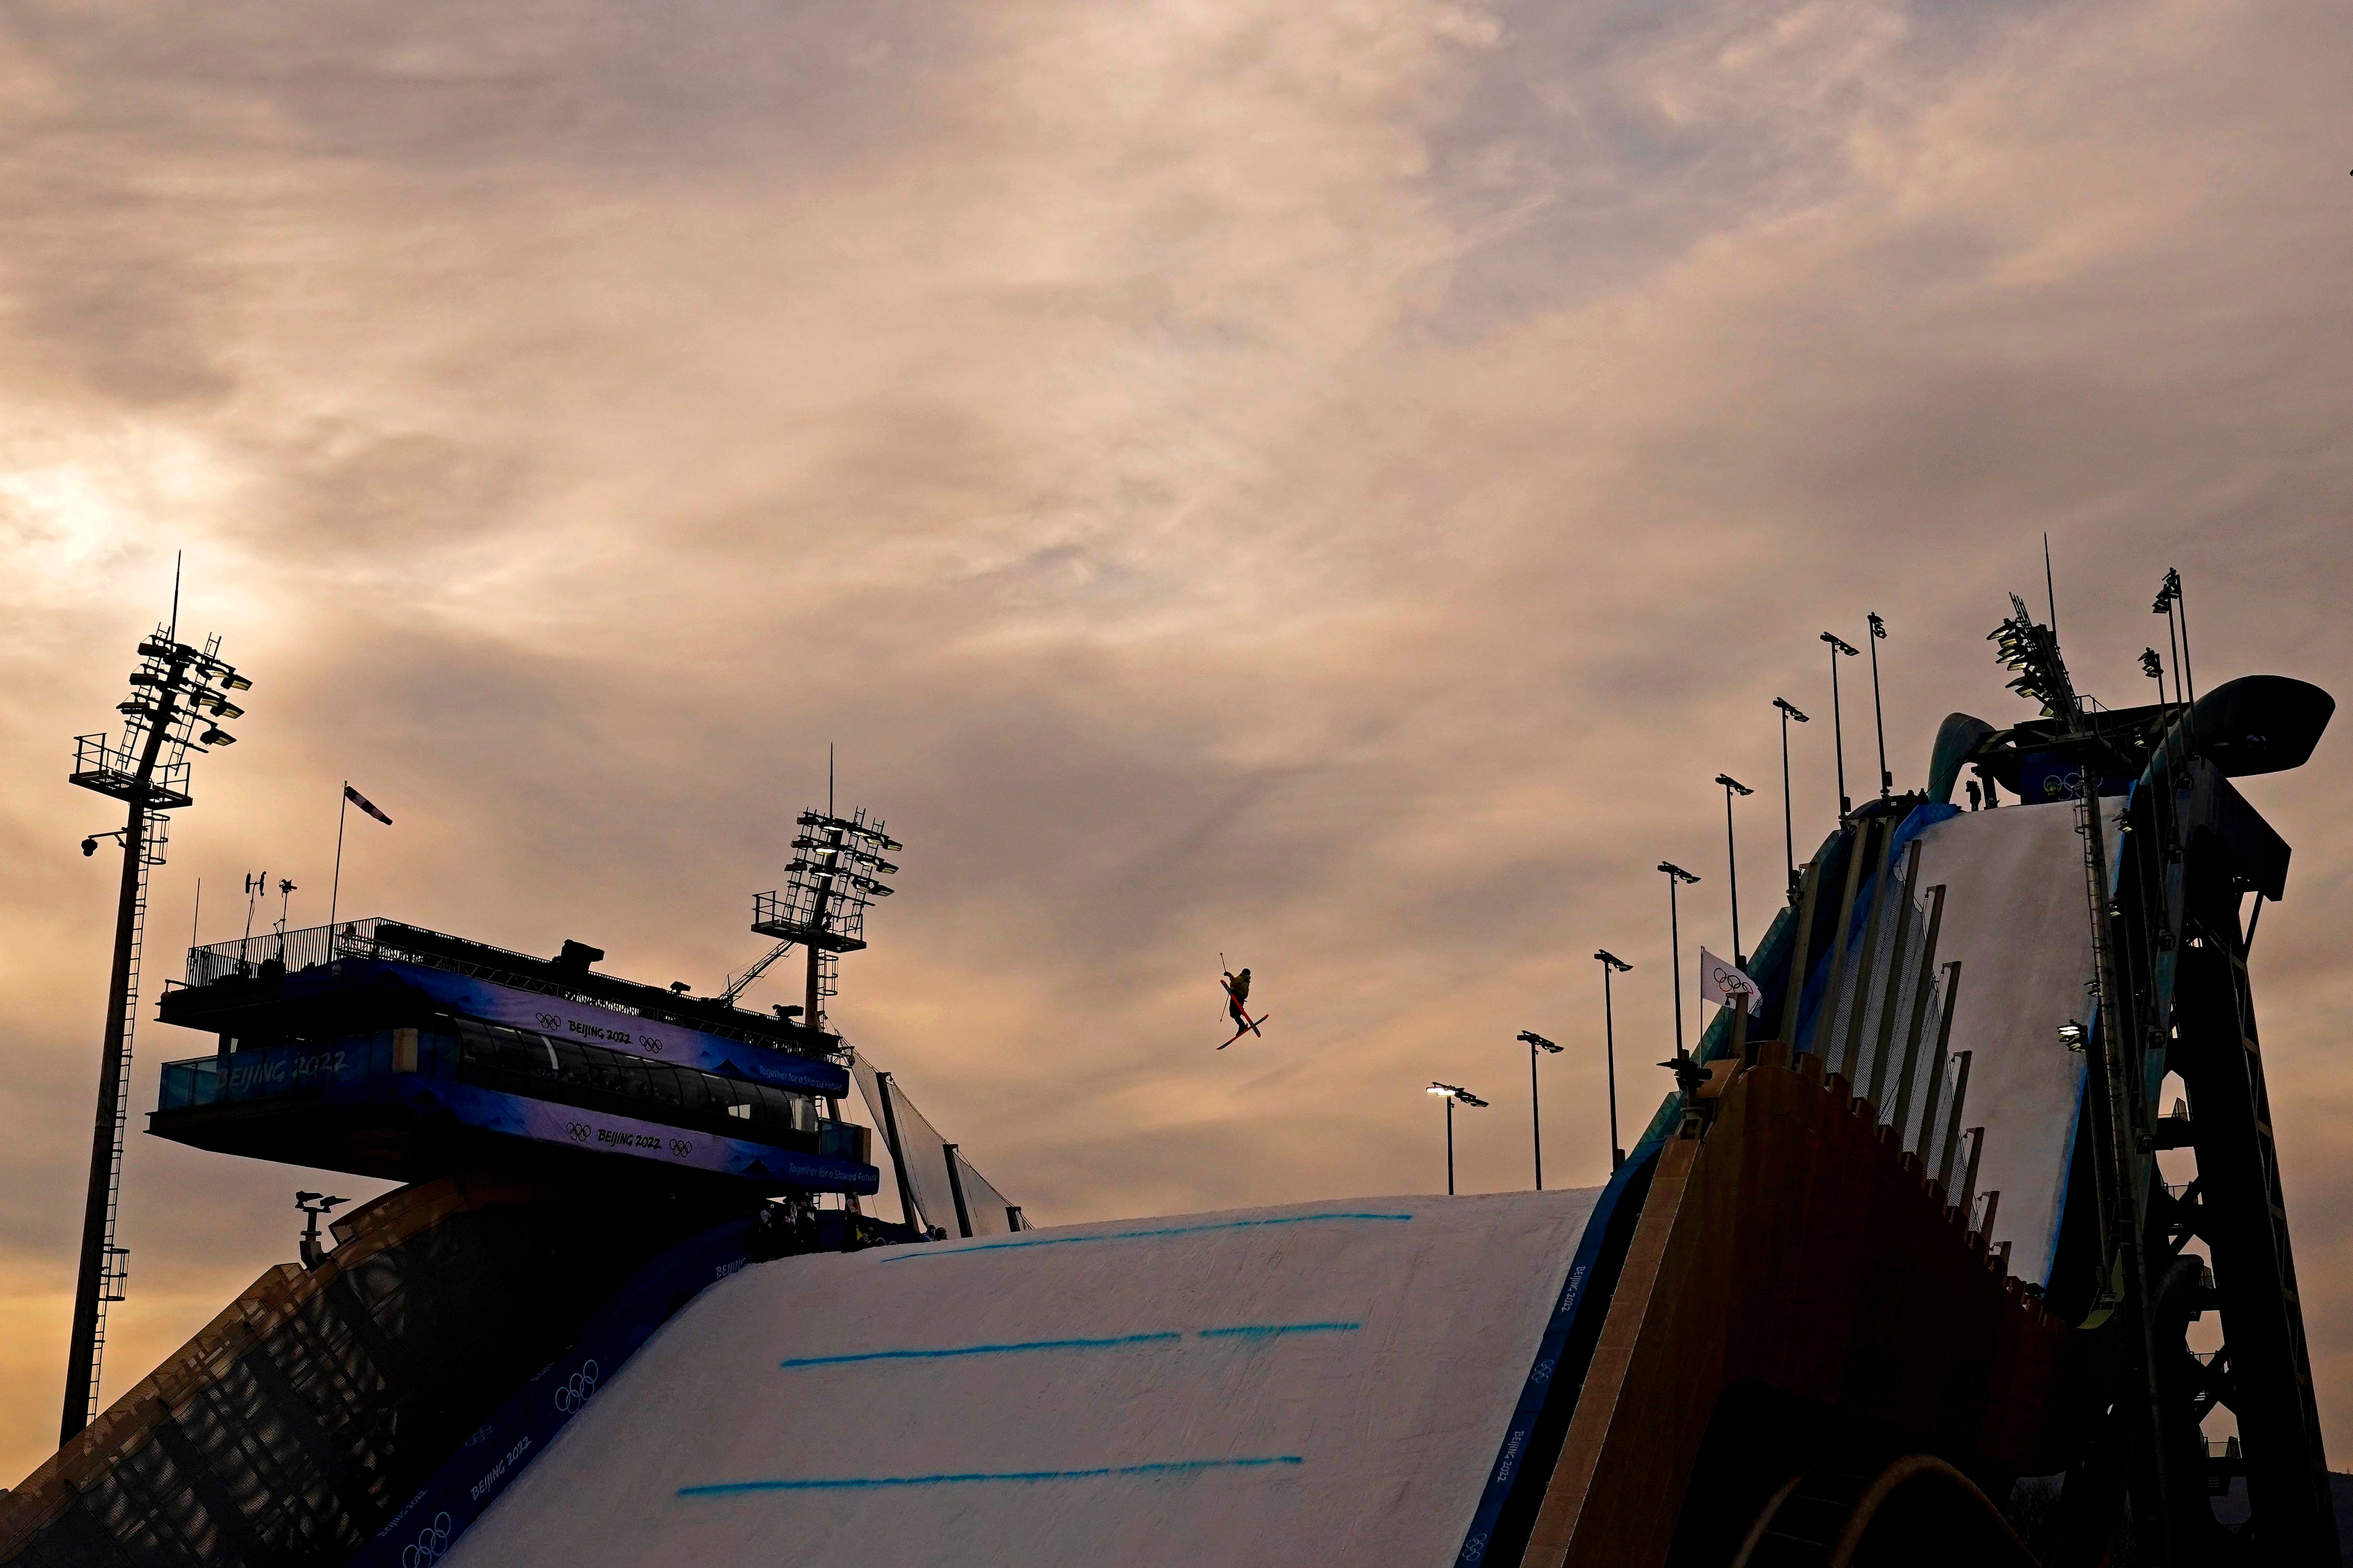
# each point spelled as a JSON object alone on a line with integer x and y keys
{"x": 1725, "y": 983}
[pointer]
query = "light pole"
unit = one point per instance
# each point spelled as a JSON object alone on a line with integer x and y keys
{"x": 1789, "y": 822}
{"x": 1453, "y": 1093}
{"x": 1676, "y": 877}
{"x": 1839, "y": 645}
{"x": 1535, "y": 1114}
{"x": 1732, "y": 861}
{"x": 2164, "y": 607}
{"x": 1611, "y": 963}
{"x": 2169, "y": 603}
{"x": 2154, "y": 668}
{"x": 1878, "y": 716}
{"x": 175, "y": 688}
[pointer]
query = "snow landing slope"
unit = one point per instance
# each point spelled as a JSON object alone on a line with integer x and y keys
{"x": 1321, "y": 1384}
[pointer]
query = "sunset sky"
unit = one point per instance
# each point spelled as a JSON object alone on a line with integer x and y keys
{"x": 1326, "y": 485}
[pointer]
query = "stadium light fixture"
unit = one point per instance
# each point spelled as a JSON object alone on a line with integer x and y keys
{"x": 1455, "y": 1094}
{"x": 1788, "y": 820}
{"x": 1879, "y": 713}
{"x": 1839, "y": 645}
{"x": 1536, "y": 1043}
{"x": 2176, "y": 611}
{"x": 1676, "y": 877}
{"x": 1733, "y": 786}
{"x": 1611, "y": 963}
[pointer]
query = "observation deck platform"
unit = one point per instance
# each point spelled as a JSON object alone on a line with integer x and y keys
{"x": 386, "y": 1050}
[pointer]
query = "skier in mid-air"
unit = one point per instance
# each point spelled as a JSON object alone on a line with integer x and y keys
{"x": 1238, "y": 1006}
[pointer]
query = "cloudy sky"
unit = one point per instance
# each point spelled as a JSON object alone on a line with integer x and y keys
{"x": 1326, "y": 485}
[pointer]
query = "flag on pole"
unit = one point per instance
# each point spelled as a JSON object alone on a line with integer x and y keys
{"x": 364, "y": 803}
{"x": 1725, "y": 983}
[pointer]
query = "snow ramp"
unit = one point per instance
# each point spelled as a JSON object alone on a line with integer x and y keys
{"x": 1330, "y": 1383}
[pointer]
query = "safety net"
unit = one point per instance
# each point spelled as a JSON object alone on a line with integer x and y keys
{"x": 933, "y": 1171}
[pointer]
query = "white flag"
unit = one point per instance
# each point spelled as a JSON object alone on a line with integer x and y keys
{"x": 1725, "y": 983}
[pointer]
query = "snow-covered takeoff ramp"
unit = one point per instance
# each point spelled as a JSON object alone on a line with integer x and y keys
{"x": 1324, "y": 1384}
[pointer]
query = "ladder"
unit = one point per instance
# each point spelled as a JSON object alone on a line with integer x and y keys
{"x": 115, "y": 1270}
{"x": 828, "y": 974}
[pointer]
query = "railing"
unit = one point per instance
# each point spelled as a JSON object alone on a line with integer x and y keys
{"x": 295, "y": 950}
{"x": 263, "y": 953}
{"x": 793, "y": 913}
{"x": 111, "y": 770}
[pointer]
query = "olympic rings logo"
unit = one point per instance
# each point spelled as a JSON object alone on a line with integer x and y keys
{"x": 577, "y": 1389}
{"x": 432, "y": 1544}
{"x": 2056, "y": 784}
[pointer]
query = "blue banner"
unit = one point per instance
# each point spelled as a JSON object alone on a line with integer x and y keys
{"x": 1546, "y": 1377}
{"x": 656, "y": 1039}
{"x": 601, "y": 1132}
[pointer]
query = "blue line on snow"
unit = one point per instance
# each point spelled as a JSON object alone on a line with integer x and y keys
{"x": 1010, "y": 1348}
{"x": 911, "y": 1254}
{"x": 1239, "y": 1331}
{"x": 858, "y": 1483}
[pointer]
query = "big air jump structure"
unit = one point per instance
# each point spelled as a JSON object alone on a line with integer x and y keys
{"x": 1909, "y": 1270}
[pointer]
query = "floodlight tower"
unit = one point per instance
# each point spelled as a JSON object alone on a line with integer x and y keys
{"x": 175, "y": 688}
{"x": 833, "y": 878}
